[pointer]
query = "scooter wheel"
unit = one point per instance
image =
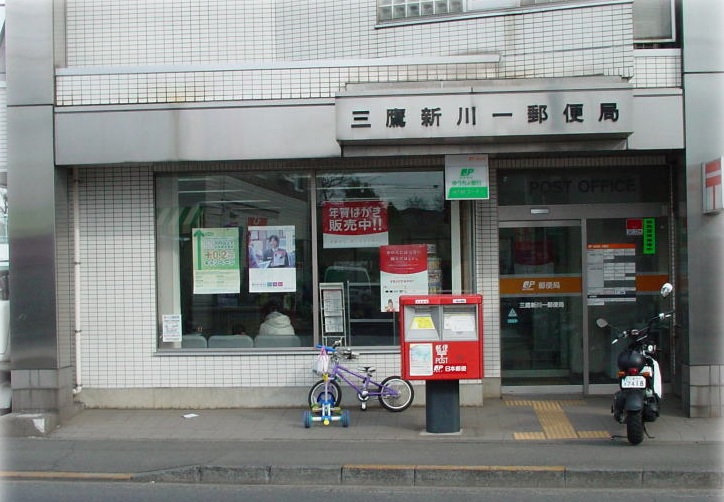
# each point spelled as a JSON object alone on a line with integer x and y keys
{"x": 634, "y": 427}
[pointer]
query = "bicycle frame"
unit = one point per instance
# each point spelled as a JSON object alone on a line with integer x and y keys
{"x": 394, "y": 393}
{"x": 341, "y": 371}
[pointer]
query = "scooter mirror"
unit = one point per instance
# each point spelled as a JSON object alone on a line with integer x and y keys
{"x": 601, "y": 322}
{"x": 666, "y": 289}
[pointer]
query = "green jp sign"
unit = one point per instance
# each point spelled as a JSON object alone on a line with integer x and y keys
{"x": 466, "y": 177}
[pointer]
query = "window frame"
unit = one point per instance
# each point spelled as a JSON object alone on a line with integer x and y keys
{"x": 492, "y": 8}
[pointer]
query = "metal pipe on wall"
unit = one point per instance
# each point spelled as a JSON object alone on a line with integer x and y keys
{"x": 76, "y": 280}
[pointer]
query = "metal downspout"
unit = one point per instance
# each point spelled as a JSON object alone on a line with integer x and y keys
{"x": 76, "y": 280}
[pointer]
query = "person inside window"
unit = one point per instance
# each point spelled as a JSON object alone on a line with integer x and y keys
{"x": 276, "y": 256}
{"x": 275, "y": 323}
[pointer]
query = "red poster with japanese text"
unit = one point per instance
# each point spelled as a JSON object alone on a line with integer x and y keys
{"x": 403, "y": 271}
{"x": 354, "y": 224}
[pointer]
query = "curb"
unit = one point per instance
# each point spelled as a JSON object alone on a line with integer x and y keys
{"x": 408, "y": 475}
{"x": 434, "y": 476}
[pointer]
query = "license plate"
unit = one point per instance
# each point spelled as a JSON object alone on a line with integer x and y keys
{"x": 633, "y": 382}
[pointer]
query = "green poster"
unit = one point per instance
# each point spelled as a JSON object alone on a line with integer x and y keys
{"x": 216, "y": 260}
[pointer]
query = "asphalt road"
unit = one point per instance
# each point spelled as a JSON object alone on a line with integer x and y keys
{"x": 18, "y": 491}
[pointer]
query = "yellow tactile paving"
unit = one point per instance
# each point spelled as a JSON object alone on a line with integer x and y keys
{"x": 553, "y": 421}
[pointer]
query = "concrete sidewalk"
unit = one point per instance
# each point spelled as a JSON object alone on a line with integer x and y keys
{"x": 539, "y": 442}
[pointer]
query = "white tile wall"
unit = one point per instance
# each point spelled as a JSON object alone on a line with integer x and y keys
{"x": 487, "y": 267}
{"x": 595, "y": 39}
{"x": 657, "y": 69}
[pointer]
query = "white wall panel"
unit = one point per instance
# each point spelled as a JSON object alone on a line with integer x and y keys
{"x": 195, "y": 134}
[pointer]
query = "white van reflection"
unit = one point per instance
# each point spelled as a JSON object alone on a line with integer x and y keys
{"x": 358, "y": 282}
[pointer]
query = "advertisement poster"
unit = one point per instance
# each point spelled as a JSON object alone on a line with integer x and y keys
{"x": 272, "y": 257}
{"x": 216, "y": 260}
{"x": 532, "y": 252}
{"x": 354, "y": 224}
{"x": 403, "y": 271}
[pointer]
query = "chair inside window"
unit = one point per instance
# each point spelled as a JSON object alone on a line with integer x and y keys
{"x": 275, "y": 341}
{"x": 193, "y": 342}
{"x": 230, "y": 341}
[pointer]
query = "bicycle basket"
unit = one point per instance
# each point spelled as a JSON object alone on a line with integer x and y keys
{"x": 321, "y": 363}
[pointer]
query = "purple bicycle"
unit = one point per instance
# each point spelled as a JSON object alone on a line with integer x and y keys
{"x": 394, "y": 393}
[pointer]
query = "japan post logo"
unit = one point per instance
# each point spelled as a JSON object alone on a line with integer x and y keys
{"x": 528, "y": 285}
{"x": 466, "y": 173}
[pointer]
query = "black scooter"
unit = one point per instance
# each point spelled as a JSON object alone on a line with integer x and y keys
{"x": 639, "y": 377}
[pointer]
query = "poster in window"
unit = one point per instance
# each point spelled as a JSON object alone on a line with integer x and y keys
{"x": 272, "y": 259}
{"x": 403, "y": 271}
{"x": 216, "y": 260}
{"x": 171, "y": 328}
{"x": 354, "y": 224}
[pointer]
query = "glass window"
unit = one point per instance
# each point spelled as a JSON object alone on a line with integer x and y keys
{"x": 393, "y": 10}
{"x": 234, "y": 260}
{"x": 653, "y": 19}
{"x": 362, "y": 217}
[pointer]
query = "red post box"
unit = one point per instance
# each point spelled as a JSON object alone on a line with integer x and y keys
{"x": 441, "y": 336}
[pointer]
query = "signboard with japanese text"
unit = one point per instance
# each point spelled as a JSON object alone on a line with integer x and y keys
{"x": 540, "y": 285}
{"x": 605, "y": 112}
{"x": 216, "y": 261}
{"x": 272, "y": 257}
{"x": 466, "y": 177}
{"x": 403, "y": 271}
{"x": 611, "y": 273}
{"x": 354, "y": 224}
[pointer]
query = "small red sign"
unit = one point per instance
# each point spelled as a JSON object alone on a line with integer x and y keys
{"x": 635, "y": 226}
{"x": 712, "y": 185}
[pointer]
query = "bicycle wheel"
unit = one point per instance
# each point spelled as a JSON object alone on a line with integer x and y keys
{"x": 317, "y": 393}
{"x": 396, "y": 394}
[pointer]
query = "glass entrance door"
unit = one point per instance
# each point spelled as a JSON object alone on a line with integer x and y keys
{"x": 541, "y": 303}
{"x": 627, "y": 261}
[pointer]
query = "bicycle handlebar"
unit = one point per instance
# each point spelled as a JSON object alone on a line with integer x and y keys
{"x": 333, "y": 350}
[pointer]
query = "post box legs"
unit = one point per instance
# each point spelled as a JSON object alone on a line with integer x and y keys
{"x": 442, "y": 408}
